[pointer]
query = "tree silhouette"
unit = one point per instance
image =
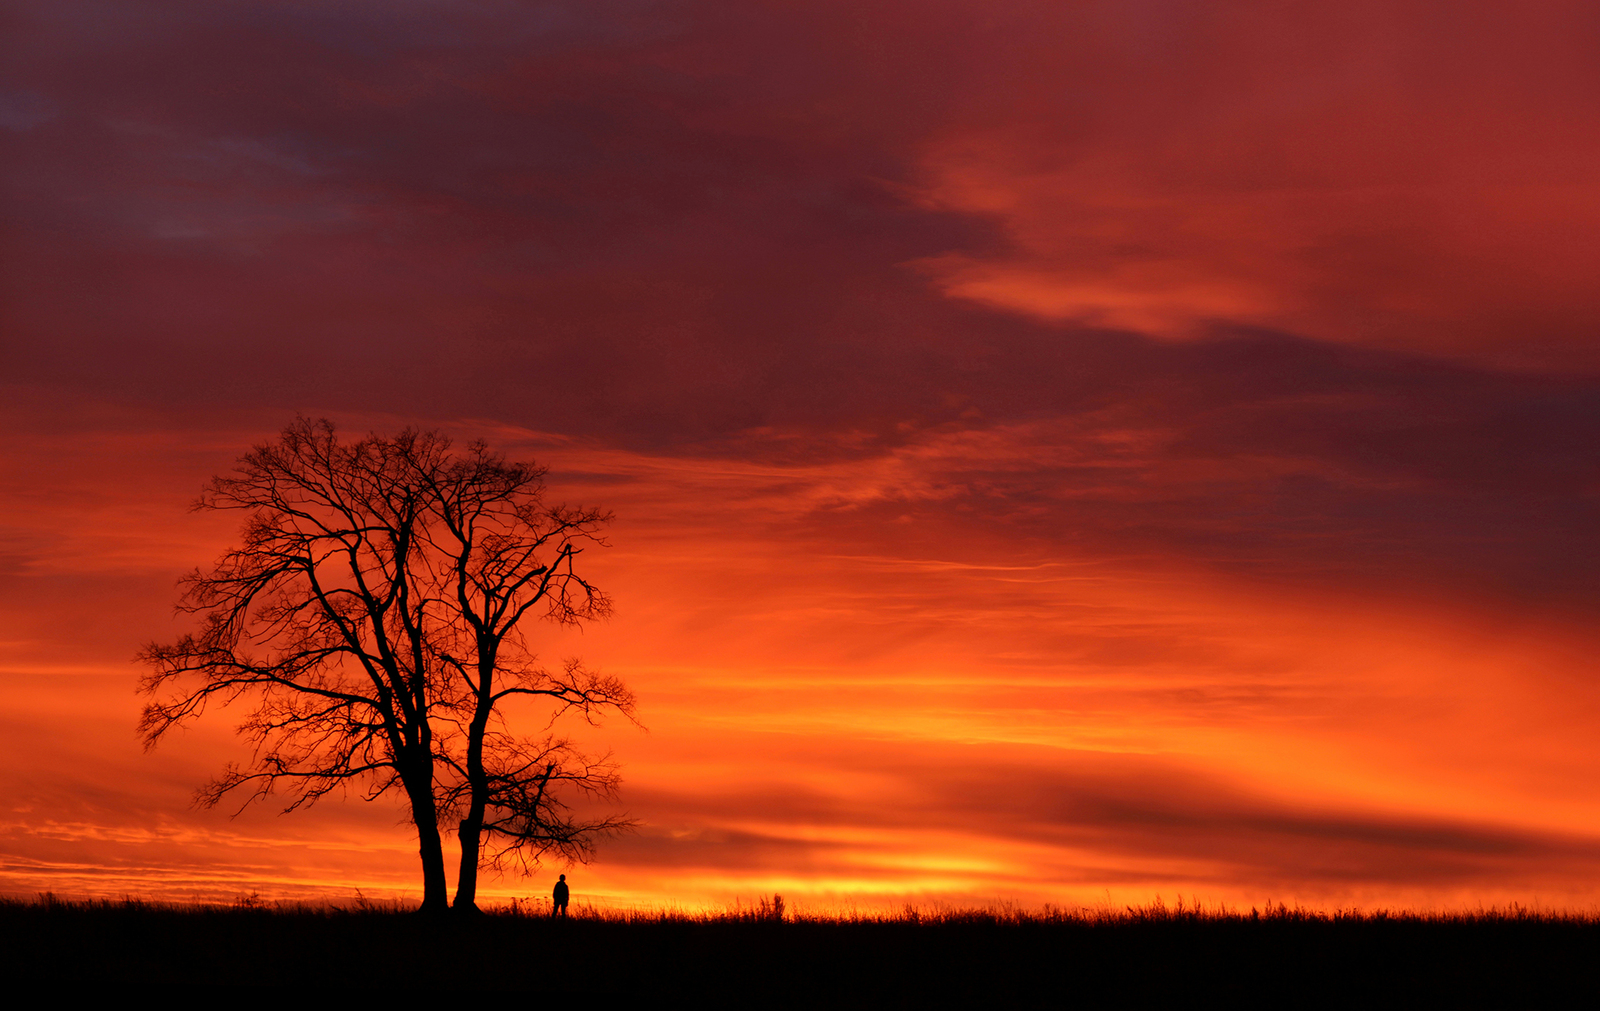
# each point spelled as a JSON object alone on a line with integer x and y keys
{"x": 375, "y": 614}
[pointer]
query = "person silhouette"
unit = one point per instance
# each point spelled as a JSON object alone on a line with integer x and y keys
{"x": 558, "y": 899}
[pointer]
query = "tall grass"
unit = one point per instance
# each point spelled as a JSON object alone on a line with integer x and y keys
{"x": 775, "y": 910}
{"x": 1106, "y": 955}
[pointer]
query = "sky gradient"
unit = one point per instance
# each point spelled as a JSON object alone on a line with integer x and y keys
{"x": 1061, "y": 452}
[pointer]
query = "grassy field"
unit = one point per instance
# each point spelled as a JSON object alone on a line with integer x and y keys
{"x": 758, "y": 955}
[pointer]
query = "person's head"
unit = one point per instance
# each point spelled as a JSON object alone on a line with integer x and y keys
{"x": 563, "y": 877}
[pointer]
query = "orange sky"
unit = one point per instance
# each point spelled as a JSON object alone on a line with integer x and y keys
{"x": 1061, "y": 453}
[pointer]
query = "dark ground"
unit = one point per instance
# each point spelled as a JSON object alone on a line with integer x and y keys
{"x": 1292, "y": 958}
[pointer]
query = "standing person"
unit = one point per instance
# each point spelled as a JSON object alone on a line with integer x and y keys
{"x": 558, "y": 899}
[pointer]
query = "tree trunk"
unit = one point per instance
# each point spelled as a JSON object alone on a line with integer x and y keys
{"x": 471, "y": 831}
{"x": 471, "y": 836}
{"x": 417, "y": 775}
{"x": 434, "y": 885}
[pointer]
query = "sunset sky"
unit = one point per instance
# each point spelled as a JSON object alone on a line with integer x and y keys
{"x": 1062, "y": 452}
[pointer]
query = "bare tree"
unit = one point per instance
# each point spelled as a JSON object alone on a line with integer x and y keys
{"x": 511, "y": 557}
{"x": 375, "y": 615}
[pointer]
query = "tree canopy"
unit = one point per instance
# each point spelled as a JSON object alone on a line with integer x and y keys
{"x": 376, "y": 616}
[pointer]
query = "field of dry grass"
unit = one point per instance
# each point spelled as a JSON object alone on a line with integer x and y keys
{"x": 763, "y": 952}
